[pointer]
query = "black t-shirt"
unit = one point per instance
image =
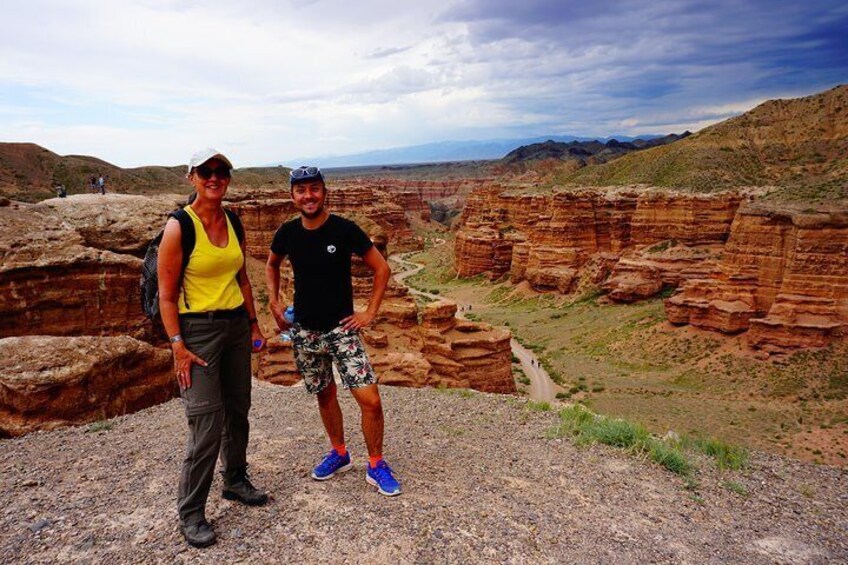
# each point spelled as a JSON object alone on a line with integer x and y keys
{"x": 320, "y": 258}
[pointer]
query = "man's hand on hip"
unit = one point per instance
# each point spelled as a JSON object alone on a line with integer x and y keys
{"x": 358, "y": 320}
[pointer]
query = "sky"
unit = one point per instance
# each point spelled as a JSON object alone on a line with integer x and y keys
{"x": 150, "y": 81}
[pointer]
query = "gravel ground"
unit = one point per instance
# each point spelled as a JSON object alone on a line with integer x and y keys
{"x": 480, "y": 481}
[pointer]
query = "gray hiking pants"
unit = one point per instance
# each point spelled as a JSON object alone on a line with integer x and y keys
{"x": 216, "y": 404}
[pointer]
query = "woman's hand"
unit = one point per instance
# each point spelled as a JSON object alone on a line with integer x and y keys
{"x": 183, "y": 360}
{"x": 257, "y": 339}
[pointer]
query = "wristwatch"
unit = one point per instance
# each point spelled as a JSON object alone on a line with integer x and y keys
{"x": 176, "y": 338}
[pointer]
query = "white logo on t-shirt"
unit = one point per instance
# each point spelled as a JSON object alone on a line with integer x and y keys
{"x": 331, "y": 248}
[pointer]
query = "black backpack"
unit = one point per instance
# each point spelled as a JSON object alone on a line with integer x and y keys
{"x": 149, "y": 276}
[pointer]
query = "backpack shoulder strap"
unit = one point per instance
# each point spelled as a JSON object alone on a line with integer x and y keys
{"x": 237, "y": 226}
{"x": 188, "y": 236}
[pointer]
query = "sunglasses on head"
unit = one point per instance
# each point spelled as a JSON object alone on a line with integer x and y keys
{"x": 306, "y": 173}
{"x": 205, "y": 172}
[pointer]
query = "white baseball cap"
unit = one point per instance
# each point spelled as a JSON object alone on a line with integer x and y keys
{"x": 204, "y": 155}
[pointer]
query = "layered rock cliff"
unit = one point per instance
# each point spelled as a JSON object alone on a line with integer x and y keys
{"x": 783, "y": 276}
{"x": 53, "y": 283}
{"x": 416, "y": 347}
{"x": 47, "y": 382}
{"x": 777, "y": 272}
{"x": 548, "y": 239}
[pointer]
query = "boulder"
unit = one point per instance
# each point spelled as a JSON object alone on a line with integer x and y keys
{"x": 48, "y": 382}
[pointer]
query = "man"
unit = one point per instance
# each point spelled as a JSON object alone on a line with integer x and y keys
{"x": 319, "y": 246}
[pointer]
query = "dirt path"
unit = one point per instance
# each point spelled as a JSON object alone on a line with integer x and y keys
{"x": 542, "y": 387}
{"x": 481, "y": 479}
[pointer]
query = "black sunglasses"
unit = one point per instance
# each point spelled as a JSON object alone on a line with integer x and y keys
{"x": 205, "y": 172}
{"x": 306, "y": 173}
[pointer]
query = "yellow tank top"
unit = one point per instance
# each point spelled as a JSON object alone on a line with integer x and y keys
{"x": 209, "y": 280}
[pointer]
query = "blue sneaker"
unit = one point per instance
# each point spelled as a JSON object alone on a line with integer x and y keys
{"x": 381, "y": 477}
{"x": 333, "y": 463}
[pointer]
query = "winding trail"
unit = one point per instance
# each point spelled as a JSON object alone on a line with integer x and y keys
{"x": 542, "y": 387}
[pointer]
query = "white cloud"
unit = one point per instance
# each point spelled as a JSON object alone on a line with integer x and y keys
{"x": 148, "y": 81}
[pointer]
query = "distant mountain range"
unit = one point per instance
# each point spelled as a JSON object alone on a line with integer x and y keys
{"x": 586, "y": 151}
{"x": 473, "y": 150}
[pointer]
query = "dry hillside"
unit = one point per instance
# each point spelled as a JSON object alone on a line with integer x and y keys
{"x": 29, "y": 172}
{"x": 800, "y": 145}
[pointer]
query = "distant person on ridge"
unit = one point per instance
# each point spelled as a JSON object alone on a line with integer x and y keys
{"x": 101, "y": 184}
{"x": 319, "y": 246}
{"x": 207, "y": 310}
{"x": 61, "y": 190}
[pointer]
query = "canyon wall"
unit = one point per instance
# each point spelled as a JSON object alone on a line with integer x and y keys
{"x": 783, "y": 277}
{"x": 548, "y": 239}
{"x": 776, "y": 273}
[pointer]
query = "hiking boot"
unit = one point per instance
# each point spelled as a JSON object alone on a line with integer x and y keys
{"x": 198, "y": 535}
{"x": 242, "y": 489}
{"x": 333, "y": 463}
{"x": 381, "y": 477}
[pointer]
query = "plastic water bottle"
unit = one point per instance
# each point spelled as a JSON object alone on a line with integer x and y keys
{"x": 288, "y": 316}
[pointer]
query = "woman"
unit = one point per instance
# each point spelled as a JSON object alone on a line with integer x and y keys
{"x": 207, "y": 309}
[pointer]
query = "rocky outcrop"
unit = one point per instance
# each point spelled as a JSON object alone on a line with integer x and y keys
{"x": 484, "y": 250}
{"x": 120, "y": 223}
{"x": 550, "y": 239}
{"x": 643, "y": 272}
{"x": 52, "y": 284}
{"x": 438, "y": 351}
{"x": 49, "y": 382}
{"x": 783, "y": 275}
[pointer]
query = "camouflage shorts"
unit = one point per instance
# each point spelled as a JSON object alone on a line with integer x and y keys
{"x": 316, "y": 352}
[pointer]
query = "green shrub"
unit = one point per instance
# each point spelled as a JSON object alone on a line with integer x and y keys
{"x": 538, "y": 406}
{"x": 587, "y": 428}
{"x": 727, "y": 456}
{"x": 669, "y": 457}
{"x": 735, "y": 487}
{"x": 100, "y": 426}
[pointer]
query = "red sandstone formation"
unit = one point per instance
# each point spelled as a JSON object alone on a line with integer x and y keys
{"x": 643, "y": 272}
{"x": 49, "y": 382}
{"x": 440, "y": 351}
{"x": 121, "y": 223}
{"x": 52, "y": 284}
{"x": 784, "y": 276}
{"x": 550, "y": 239}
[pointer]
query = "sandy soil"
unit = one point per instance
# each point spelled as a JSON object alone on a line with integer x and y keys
{"x": 481, "y": 482}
